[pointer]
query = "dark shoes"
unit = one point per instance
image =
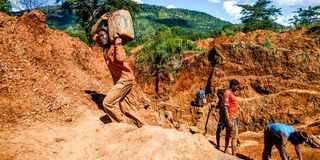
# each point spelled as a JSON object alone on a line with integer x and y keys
{"x": 238, "y": 143}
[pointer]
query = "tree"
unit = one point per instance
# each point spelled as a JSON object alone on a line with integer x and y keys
{"x": 32, "y": 4}
{"x": 258, "y": 15}
{"x": 5, "y": 6}
{"x": 162, "y": 47}
{"x": 89, "y": 11}
{"x": 165, "y": 45}
{"x": 306, "y": 16}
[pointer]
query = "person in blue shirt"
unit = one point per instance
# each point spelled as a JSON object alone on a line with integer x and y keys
{"x": 200, "y": 97}
{"x": 276, "y": 133}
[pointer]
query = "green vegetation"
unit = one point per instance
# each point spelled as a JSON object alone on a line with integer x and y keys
{"x": 5, "y": 6}
{"x": 259, "y": 16}
{"x": 195, "y": 25}
{"x": 61, "y": 19}
{"x": 187, "y": 19}
{"x": 227, "y": 30}
{"x": 313, "y": 26}
{"x": 256, "y": 16}
{"x": 188, "y": 24}
{"x": 268, "y": 45}
{"x": 77, "y": 31}
{"x": 159, "y": 49}
{"x": 315, "y": 29}
{"x": 307, "y": 16}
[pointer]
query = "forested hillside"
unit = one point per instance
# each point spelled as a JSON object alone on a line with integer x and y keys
{"x": 147, "y": 22}
{"x": 152, "y": 17}
{"x": 187, "y": 19}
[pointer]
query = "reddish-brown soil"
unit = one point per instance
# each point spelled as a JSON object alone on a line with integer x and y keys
{"x": 46, "y": 114}
{"x": 41, "y": 69}
{"x": 281, "y": 83}
{"x": 279, "y": 75}
{"x": 44, "y": 76}
{"x": 45, "y": 73}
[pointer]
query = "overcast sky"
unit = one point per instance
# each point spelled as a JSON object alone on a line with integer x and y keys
{"x": 228, "y": 9}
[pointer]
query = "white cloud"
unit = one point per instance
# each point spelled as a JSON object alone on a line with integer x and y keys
{"x": 242, "y": 1}
{"x": 296, "y": 3}
{"x": 232, "y": 9}
{"x": 170, "y": 6}
{"x": 16, "y": 6}
{"x": 215, "y": 1}
{"x": 284, "y": 20}
{"x": 138, "y": 1}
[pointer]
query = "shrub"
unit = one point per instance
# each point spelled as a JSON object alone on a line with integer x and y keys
{"x": 165, "y": 45}
{"x": 270, "y": 48}
{"x": 5, "y": 6}
{"x": 268, "y": 45}
{"x": 77, "y": 31}
{"x": 227, "y": 30}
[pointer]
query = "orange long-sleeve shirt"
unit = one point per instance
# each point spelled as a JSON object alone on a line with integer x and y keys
{"x": 115, "y": 58}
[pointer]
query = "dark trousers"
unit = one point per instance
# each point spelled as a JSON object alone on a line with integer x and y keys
{"x": 271, "y": 139}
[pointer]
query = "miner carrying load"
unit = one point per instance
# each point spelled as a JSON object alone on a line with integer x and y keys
{"x": 111, "y": 32}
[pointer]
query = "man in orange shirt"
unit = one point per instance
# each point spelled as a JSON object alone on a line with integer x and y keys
{"x": 231, "y": 114}
{"x": 122, "y": 75}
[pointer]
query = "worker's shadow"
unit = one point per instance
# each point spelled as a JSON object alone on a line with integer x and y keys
{"x": 241, "y": 156}
{"x": 98, "y": 99}
{"x": 195, "y": 104}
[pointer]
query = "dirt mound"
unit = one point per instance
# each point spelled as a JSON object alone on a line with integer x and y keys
{"x": 51, "y": 86}
{"x": 92, "y": 140}
{"x": 40, "y": 72}
{"x": 279, "y": 75}
{"x": 45, "y": 73}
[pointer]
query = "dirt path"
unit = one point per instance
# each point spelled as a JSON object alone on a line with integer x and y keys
{"x": 276, "y": 94}
{"x": 89, "y": 138}
{"x": 255, "y": 150}
{"x": 252, "y": 147}
{"x": 54, "y": 141}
